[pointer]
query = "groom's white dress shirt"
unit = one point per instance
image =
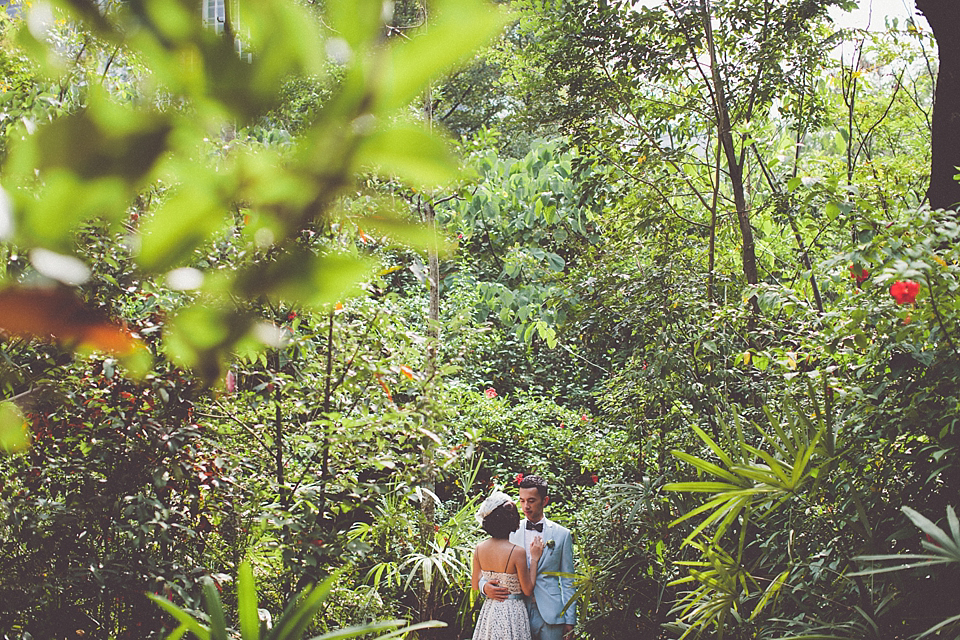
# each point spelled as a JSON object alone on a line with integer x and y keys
{"x": 529, "y": 536}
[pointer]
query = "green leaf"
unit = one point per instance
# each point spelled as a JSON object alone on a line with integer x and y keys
{"x": 360, "y": 630}
{"x": 800, "y": 466}
{"x": 936, "y": 533}
{"x": 555, "y": 262}
{"x": 925, "y": 561}
{"x": 410, "y": 153}
{"x": 358, "y": 22}
{"x": 247, "y": 603}
{"x": 814, "y": 636}
{"x": 103, "y": 141}
{"x": 761, "y": 475}
{"x": 456, "y": 29}
{"x": 736, "y": 506}
{"x": 396, "y": 226}
{"x": 168, "y": 20}
{"x": 714, "y": 502}
{"x": 218, "y": 622}
{"x": 353, "y": 632}
{"x": 935, "y": 628}
{"x": 782, "y": 445}
{"x": 832, "y": 210}
{"x": 700, "y": 487}
{"x": 14, "y": 431}
{"x": 771, "y": 591}
{"x": 707, "y": 467}
{"x": 180, "y": 225}
{"x": 954, "y": 522}
{"x": 285, "y": 40}
{"x": 720, "y": 453}
{"x": 64, "y": 203}
{"x": 302, "y": 278}
{"x": 187, "y": 622}
{"x": 301, "y": 611}
{"x": 775, "y": 466}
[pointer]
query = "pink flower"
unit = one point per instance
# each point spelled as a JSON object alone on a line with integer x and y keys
{"x": 584, "y": 418}
{"x": 904, "y": 291}
{"x": 519, "y": 478}
{"x": 231, "y": 381}
{"x": 490, "y": 393}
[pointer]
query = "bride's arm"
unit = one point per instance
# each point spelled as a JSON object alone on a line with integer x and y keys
{"x": 528, "y": 576}
{"x": 475, "y": 577}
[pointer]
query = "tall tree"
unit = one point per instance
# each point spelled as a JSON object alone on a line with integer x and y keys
{"x": 944, "y": 19}
{"x": 672, "y": 95}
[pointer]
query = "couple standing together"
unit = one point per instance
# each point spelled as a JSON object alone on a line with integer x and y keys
{"x": 511, "y": 568}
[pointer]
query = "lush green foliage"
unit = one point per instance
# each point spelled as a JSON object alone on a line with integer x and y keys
{"x": 667, "y": 279}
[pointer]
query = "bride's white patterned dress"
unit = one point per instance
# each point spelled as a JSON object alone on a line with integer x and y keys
{"x": 505, "y": 620}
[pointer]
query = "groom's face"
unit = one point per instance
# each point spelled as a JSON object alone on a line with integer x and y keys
{"x": 532, "y": 504}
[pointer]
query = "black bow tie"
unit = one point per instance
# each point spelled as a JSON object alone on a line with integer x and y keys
{"x": 534, "y": 527}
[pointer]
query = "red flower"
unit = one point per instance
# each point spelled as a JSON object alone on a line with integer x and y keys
{"x": 595, "y": 478}
{"x": 584, "y": 418}
{"x": 859, "y": 277}
{"x": 904, "y": 291}
{"x": 519, "y": 478}
{"x": 490, "y": 393}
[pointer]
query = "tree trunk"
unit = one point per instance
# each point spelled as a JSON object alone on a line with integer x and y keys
{"x": 327, "y": 430}
{"x": 712, "y": 251}
{"x": 748, "y": 251}
{"x": 428, "y": 471}
{"x": 944, "y": 19}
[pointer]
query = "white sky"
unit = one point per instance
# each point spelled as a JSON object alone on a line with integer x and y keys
{"x": 871, "y": 14}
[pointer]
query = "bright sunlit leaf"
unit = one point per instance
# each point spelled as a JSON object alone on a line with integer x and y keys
{"x": 14, "y": 432}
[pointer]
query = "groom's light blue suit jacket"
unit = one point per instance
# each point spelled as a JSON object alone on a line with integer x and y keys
{"x": 551, "y": 592}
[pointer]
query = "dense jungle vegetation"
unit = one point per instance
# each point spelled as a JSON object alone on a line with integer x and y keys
{"x": 282, "y": 297}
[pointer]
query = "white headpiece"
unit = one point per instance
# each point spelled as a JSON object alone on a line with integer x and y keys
{"x": 495, "y": 499}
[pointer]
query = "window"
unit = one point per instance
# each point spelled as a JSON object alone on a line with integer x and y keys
{"x": 214, "y": 14}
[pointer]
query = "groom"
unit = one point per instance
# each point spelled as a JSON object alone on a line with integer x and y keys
{"x": 550, "y": 593}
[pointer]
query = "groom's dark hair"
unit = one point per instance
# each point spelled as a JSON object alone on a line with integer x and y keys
{"x": 534, "y": 482}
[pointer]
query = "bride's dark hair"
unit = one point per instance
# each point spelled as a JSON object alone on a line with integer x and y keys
{"x": 502, "y": 521}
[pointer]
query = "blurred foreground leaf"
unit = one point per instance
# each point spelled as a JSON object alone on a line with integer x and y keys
{"x": 14, "y": 434}
{"x": 59, "y": 315}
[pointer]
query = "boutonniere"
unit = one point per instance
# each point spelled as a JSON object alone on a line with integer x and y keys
{"x": 550, "y": 544}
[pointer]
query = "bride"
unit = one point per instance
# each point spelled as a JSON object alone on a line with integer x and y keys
{"x": 496, "y": 558}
